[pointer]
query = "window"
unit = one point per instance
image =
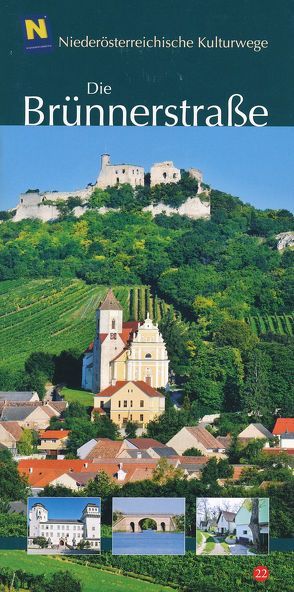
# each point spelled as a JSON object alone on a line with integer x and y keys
{"x": 244, "y": 531}
{"x": 125, "y": 403}
{"x": 123, "y": 171}
{"x": 141, "y": 403}
{"x": 131, "y": 417}
{"x": 113, "y": 324}
{"x": 148, "y": 356}
{"x": 164, "y": 175}
{"x": 117, "y": 179}
{"x": 119, "y": 417}
{"x": 141, "y": 417}
{"x": 113, "y": 336}
{"x": 131, "y": 404}
{"x": 119, "y": 403}
{"x": 102, "y": 404}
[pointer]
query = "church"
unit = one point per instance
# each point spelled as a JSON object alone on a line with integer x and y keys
{"x": 124, "y": 351}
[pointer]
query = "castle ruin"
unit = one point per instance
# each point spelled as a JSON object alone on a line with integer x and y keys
{"x": 43, "y": 205}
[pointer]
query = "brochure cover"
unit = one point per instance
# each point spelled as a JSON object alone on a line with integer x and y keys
{"x": 146, "y": 296}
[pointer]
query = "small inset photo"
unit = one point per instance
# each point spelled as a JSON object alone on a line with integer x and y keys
{"x": 148, "y": 526}
{"x": 232, "y": 526}
{"x": 64, "y": 525}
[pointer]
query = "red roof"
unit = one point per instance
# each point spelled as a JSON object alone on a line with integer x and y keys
{"x": 282, "y": 425}
{"x": 143, "y": 386}
{"x": 278, "y": 450}
{"x": 43, "y": 472}
{"x": 54, "y": 434}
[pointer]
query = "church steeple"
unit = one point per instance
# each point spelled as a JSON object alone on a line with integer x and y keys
{"x": 110, "y": 302}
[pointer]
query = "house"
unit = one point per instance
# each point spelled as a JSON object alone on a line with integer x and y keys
{"x": 287, "y": 440}
{"x": 10, "y": 434}
{"x": 161, "y": 452}
{"x": 123, "y": 351}
{"x": 209, "y": 524}
{"x": 53, "y": 442}
{"x": 196, "y": 437}
{"x": 129, "y": 400}
{"x": 65, "y": 533}
{"x": 191, "y": 465}
{"x": 255, "y": 431}
{"x": 101, "y": 448}
{"x": 226, "y": 522}
{"x": 243, "y": 517}
{"x": 19, "y": 396}
{"x": 34, "y": 416}
{"x": 76, "y": 473}
{"x": 284, "y": 430}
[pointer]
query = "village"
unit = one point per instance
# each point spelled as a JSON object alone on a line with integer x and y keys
{"x": 126, "y": 368}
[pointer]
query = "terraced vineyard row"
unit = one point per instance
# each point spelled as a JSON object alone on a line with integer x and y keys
{"x": 276, "y": 324}
{"x": 54, "y": 315}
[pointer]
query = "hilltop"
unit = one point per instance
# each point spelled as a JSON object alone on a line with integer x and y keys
{"x": 225, "y": 284}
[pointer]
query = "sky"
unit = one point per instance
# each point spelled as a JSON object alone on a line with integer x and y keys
{"x": 255, "y": 164}
{"x": 64, "y": 507}
{"x": 147, "y": 505}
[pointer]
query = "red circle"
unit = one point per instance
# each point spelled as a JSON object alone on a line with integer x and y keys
{"x": 260, "y": 573}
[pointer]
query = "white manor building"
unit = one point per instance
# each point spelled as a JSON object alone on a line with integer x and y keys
{"x": 65, "y": 533}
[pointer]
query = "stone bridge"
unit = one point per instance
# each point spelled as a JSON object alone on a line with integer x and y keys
{"x": 133, "y": 522}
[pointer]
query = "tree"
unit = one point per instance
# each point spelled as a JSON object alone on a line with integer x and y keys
{"x": 255, "y": 399}
{"x": 131, "y": 429}
{"x": 40, "y": 362}
{"x": 40, "y": 542}
{"x": 13, "y": 486}
{"x": 254, "y": 522}
{"x": 63, "y": 581}
{"x": 193, "y": 452}
{"x": 165, "y": 472}
{"x": 236, "y": 334}
{"x": 104, "y": 427}
{"x": 25, "y": 443}
{"x": 102, "y": 485}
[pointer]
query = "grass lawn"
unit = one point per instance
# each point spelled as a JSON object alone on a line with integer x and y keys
{"x": 78, "y": 396}
{"x": 209, "y": 544}
{"x": 199, "y": 537}
{"x": 92, "y": 579}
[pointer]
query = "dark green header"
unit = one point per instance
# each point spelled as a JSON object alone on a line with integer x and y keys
{"x": 186, "y": 62}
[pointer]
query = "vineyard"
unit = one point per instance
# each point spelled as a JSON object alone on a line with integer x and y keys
{"x": 53, "y": 315}
{"x": 275, "y": 324}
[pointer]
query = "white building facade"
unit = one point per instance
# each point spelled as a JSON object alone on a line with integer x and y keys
{"x": 65, "y": 534}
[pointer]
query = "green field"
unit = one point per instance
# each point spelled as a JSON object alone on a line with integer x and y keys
{"x": 53, "y": 315}
{"x": 91, "y": 578}
{"x": 78, "y": 396}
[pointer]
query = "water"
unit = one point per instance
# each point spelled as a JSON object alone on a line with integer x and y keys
{"x": 148, "y": 543}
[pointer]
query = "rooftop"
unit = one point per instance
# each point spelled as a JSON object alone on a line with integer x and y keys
{"x": 17, "y": 395}
{"x": 204, "y": 437}
{"x": 110, "y": 302}
{"x": 53, "y": 434}
{"x": 282, "y": 425}
{"x": 143, "y": 386}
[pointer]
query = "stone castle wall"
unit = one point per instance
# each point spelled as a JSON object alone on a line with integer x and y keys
{"x": 32, "y": 204}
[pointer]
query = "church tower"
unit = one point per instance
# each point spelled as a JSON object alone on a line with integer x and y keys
{"x": 38, "y": 515}
{"x": 108, "y": 342}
